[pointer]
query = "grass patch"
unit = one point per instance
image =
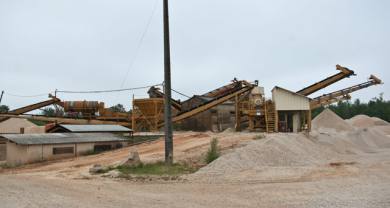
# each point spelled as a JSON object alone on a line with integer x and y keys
{"x": 38, "y": 123}
{"x": 8, "y": 166}
{"x": 213, "y": 152}
{"x": 159, "y": 168}
{"x": 141, "y": 138}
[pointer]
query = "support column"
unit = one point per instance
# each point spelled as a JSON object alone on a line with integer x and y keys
{"x": 238, "y": 114}
{"x": 309, "y": 120}
{"x": 276, "y": 121}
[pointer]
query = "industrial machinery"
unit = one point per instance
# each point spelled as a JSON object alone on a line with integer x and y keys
{"x": 221, "y": 95}
{"x": 147, "y": 114}
{"x": 155, "y": 92}
{"x": 251, "y": 105}
{"x": 344, "y": 73}
{"x": 343, "y": 94}
{"x": 252, "y": 109}
{"x": 82, "y": 108}
{"x": 32, "y": 107}
{"x": 75, "y": 112}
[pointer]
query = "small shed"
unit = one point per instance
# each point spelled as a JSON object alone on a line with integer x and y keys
{"x": 293, "y": 110}
{"x": 29, "y": 148}
{"x": 89, "y": 128}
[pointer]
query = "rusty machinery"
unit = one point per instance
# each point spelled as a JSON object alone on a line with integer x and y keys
{"x": 344, "y": 73}
{"x": 147, "y": 114}
{"x": 343, "y": 94}
{"x": 256, "y": 110}
{"x": 251, "y": 106}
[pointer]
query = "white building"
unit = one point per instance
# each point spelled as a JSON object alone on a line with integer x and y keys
{"x": 29, "y": 148}
{"x": 292, "y": 109}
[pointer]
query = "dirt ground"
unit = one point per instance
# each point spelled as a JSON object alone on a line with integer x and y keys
{"x": 189, "y": 147}
{"x": 362, "y": 182}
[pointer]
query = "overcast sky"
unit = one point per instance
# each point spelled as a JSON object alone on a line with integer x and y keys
{"x": 89, "y": 45}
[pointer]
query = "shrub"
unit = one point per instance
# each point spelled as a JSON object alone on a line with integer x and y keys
{"x": 213, "y": 151}
{"x": 158, "y": 168}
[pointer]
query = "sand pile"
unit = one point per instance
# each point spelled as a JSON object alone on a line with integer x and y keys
{"x": 364, "y": 121}
{"x": 327, "y": 119}
{"x": 360, "y": 141}
{"x": 380, "y": 122}
{"x": 384, "y": 129}
{"x": 279, "y": 156}
{"x": 276, "y": 150}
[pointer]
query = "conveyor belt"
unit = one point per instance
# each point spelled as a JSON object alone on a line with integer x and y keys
{"x": 335, "y": 96}
{"x": 344, "y": 73}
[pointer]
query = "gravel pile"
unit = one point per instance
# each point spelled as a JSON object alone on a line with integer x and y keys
{"x": 327, "y": 119}
{"x": 276, "y": 150}
{"x": 364, "y": 121}
{"x": 281, "y": 155}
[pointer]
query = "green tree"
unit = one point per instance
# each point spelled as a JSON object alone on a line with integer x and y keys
{"x": 118, "y": 108}
{"x": 4, "y": 109}
{"x": 377, "y": 107}
{"x": 52, "y": 112}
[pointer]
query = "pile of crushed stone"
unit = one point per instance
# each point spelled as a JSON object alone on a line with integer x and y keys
{"x": 283, "y": 155}
{"x": 327, "y": 119}
{"x": 276, "y": 150}
{"x": 364, "y": 121}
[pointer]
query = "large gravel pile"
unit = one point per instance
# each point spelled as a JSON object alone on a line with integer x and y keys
{"x": 364, "y": 121}
{"x": 327, "y": 119}
{"x": 295, "y": 155}
{"x": 359, "y": 141}
{"x": 276, "y": 150}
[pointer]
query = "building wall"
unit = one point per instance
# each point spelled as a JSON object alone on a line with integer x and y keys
{"x": 16, "y": 154}
{"x": 13, "y": 125}
{"x": 286, "y": 101}
{"x": 3, "y": 151}
{"x": 84, "y": 148}
{"x": 22, "y": 154}
{"x": 48, "y": 151}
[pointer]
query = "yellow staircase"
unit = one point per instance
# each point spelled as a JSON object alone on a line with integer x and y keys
{"x": 270, "y": 116}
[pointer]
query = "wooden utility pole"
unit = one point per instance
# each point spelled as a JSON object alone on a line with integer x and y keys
{"x": 167, "y": 89}
{"x": 1, "y": 96}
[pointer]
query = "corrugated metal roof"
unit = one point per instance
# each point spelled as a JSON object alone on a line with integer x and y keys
{"x": 294, "y": 93}
{"x": 289, "y": 101}
{"x": 62, "y": 138}
{"x": 96, "y": 128}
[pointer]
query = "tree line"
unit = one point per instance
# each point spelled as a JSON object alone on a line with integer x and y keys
{"x": 377, "y": 107}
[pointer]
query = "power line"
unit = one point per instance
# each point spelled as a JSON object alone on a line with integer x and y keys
{"x": 27, "y": 96}
{"x": 140, "y": 43}
{"x": 106, "y": 91}
{"x": 180, "y": 93}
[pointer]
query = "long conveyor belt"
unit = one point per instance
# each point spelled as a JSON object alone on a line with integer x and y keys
{"x": 337, "y": 95}
{"x": 344, "y": 73}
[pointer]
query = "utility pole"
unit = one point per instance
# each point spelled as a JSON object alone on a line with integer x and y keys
{"x": 167, "y": 89}
{"x": 1, "y": 96}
